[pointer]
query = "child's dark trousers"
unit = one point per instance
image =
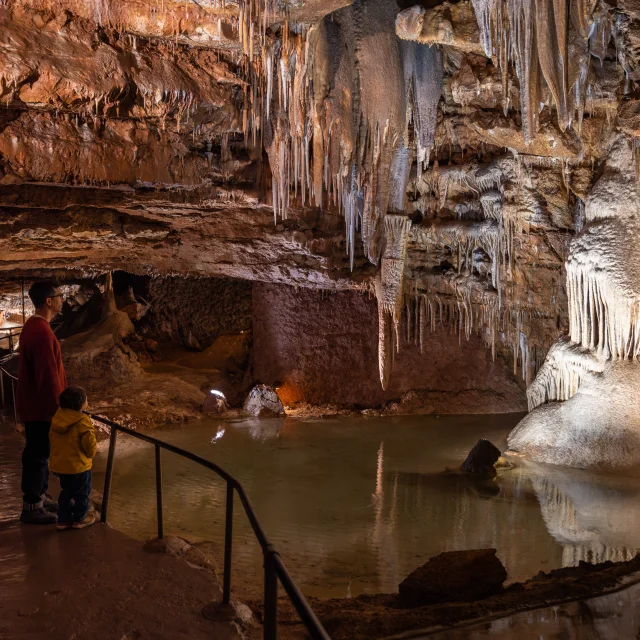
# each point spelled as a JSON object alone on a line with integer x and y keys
{"x": 73, "y": 501}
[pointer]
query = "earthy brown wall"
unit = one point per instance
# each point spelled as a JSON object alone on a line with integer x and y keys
{"x": 324, "y": 350}
{"x": 195, "y": 311}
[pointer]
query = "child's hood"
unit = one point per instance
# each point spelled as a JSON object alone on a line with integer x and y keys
{"x": 65, "y": 419}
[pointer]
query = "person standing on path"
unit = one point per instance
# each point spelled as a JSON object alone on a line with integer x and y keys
{"x": 41, "y": 380}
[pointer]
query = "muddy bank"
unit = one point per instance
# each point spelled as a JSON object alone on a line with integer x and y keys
{"x": 377, "y": 616}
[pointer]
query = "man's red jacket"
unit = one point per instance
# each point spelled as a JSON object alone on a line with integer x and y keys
{"x": 41, "y": 377}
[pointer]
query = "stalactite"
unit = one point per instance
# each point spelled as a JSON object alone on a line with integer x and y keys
{"x": 389, "y": 290}
{"x": 423, "y": 71}
{"x": 545, "y": 39}
{"x": 525, "y": 54}
{"x": 352, "y": 154}
{"x": 464, "y": 312}
{"x": 602, "y": 316}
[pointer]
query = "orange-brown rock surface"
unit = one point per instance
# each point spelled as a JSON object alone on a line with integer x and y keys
{"x": 134, "y": 137}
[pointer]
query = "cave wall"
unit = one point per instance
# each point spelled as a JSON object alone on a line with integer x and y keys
{"x": 155, "y": 138}
{"x": 195, "y": 311}
{"x": 323, "y": 349}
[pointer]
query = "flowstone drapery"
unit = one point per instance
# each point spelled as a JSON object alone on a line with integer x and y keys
{"x": 592, "y": 382}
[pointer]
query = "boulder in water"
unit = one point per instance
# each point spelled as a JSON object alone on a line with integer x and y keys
{"x": 263, "y": 402}
{"x": 482, "y": 458}
{"x": 455, "y": 576}
{"x": 215, "y": 404}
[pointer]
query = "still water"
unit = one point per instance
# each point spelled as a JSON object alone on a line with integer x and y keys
{"x": 354, "y": 504}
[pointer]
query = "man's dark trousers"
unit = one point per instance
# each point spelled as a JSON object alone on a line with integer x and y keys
{"x": 35, "y": 461}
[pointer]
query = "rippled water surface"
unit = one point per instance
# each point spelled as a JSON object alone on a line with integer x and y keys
{"x": 354, "y": 504}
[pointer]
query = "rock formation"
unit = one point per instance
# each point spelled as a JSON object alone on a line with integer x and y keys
{"x": 454, "y": 576}
{"x": 439, "y": 158}
{"x": 585, "y": 396}
{"x": 482, "y": 458}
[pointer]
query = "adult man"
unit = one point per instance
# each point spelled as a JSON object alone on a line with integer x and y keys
{"x": 41, "y": 380}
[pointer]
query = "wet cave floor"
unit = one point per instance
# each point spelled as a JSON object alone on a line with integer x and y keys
{"x": 354, "y": 504}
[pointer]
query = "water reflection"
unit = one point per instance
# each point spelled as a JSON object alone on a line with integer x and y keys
{"x": 354, "y": 505}
{"x": 219, "y": 433}
{"x": 594, "y": 517}
{"x": 264, "y": 429}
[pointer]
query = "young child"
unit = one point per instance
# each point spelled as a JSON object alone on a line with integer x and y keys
{"x": 73, "y": 445}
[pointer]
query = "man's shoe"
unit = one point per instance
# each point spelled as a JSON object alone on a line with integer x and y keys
{"x": 63, "y": 526}
{"x": 49, "y": 504}
{"x": 86, "y": 522}
{"x": 37, "y": 514}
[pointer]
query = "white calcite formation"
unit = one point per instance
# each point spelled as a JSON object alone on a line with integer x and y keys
{"x": 585, "y": 399}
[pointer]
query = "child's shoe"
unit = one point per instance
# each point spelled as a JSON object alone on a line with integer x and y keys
{"x": 62, "y": 526}
{"x": 87, "y": 521}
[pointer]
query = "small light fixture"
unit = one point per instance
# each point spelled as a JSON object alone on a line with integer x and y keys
{"x": 215, "y": 392}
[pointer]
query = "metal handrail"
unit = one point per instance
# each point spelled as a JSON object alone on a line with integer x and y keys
{"x": 4, "y": 372}
{"x": 274, "y": 567}
{"x": 10, "y": 335}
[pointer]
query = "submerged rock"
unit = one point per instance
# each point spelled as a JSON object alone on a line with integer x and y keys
{"x": 455, "y": 576}
{"x": 263, "y": 402}
{"x": 482, "y": 458}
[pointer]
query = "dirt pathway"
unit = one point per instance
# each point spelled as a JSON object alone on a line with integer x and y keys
{"x": 92, "y": 583}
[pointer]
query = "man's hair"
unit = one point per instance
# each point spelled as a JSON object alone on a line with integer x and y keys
{"x": 73, "y": 398}
{"x": 40, "y": 291}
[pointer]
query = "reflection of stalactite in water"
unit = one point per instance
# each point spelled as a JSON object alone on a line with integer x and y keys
{"x": 595, "y": 553}
{"x": 384, "y": 531}
{"x": 379, "y": 494}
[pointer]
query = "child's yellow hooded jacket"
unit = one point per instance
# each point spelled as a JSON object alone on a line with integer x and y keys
{"x": 73, "y": 442}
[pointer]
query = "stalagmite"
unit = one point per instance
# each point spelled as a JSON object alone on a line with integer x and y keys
{"x": 559, "y": 377}
{"x": 592, "y": 379}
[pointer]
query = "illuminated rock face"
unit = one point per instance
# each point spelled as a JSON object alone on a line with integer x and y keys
{"x": 437, "y": 158}
{"x": 591, "y": 380}
{"x": 322, "y": 349}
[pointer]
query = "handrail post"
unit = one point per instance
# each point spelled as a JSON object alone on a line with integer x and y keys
{"x": 228, "y": 539}
{"x": 108, "y": 475}
{"x": 159, "y": 493}
{"x": 1, "y": 388}
{"x": 270, "y": 617}
{"x": 15, "y": 409}
{"x": 274, "y": 570}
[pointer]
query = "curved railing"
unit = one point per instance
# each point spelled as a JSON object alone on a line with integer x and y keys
{"x": 9, "y": 333}
{"x": 14, "y": 380}
{"x": 274, "y": 568}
